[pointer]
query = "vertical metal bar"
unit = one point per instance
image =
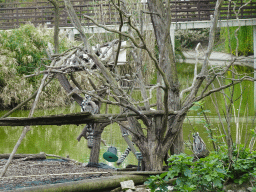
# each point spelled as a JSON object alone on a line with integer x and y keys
{"x": 254, "y": 58}
{"x": 17, "y": 15}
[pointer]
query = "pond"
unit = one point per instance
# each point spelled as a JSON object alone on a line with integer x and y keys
{"x": 61, "y": 140}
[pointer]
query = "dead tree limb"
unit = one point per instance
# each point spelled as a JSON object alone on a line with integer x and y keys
{"x": 25, "y": 129}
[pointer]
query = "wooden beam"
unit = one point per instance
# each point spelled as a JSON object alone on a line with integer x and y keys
{"x": 76, "y": 118}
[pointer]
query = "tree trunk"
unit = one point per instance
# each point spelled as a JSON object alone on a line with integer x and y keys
{"x": 153, "y": 157}
{"x": 151, "y": 146}
{"x": 177, "y": 146}
{"x": 94, "y": 155}
{"x": 154, "y": 150}
{"x": 161, "y": 23}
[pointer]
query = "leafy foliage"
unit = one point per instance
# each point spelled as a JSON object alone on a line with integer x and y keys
{"x": 190, "y": 38}
{"x": 206, "y": 174}
{"x": 22, "y": 51}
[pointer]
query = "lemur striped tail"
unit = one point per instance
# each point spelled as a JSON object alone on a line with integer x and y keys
{"x": 123, "y": 156}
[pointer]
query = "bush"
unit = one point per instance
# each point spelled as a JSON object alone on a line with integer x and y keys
{"x": 207, "y": 174}
{"x": 21, "y": 52}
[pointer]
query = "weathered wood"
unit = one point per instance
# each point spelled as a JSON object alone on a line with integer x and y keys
{"x": 147, "y": 173}
{"x": 76, "y": 118}
{"x": 100, "y": 184}
{"x": 21, "y": 156}
{"x": 57, "y": 174}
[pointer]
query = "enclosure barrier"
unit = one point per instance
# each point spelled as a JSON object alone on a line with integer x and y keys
{"x": 15, "y": 14}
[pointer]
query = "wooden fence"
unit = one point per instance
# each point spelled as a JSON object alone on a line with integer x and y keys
{"x": 14, "y": 14}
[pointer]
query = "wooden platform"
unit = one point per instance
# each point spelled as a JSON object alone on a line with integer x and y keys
{"x": 76, "y": 118}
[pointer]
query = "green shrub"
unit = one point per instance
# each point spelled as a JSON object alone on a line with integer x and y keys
{"x": 27, "y": 46}
{"x": 21, "y": 52}
{"x": 206, "y": 174}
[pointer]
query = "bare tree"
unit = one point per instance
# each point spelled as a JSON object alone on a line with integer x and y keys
{"x": 157, "y": 133}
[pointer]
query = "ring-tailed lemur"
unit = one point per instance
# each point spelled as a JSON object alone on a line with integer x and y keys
{"x": 89, "y": 106}
{"x": 198, "y": 144}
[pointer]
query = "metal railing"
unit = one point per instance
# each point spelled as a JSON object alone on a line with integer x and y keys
{"x": 14, "y": 14}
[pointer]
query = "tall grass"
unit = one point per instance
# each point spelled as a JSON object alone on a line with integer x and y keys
{"x": 245, "y": 40}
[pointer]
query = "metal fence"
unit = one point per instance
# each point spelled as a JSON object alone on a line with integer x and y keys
{"x": 14, "y": 14}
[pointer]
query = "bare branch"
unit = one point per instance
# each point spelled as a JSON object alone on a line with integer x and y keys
{"x": 203, "y": 73}
{"x": 137, "y": 45}
{"x": 128, "y": 129}
{"x": 195, "y": 73}
{"x": 234, "y": 82}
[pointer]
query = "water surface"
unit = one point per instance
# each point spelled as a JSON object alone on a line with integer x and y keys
{"x": 61, "y": 140}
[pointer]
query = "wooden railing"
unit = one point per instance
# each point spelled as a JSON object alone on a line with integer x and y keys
{"x": 12, "y": 15}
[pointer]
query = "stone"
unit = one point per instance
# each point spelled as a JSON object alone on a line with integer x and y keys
{"x": 170, "y": 188}
{"x": 127, "y": 185}
{"x": 142, "y": 190}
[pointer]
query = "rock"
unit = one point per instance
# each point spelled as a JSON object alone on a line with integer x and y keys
{"x": 142, "y": 190}
{"x": 249, "y": 189}
{"x": 230, "y": 191}
{"x": 170, "y": 188}
{"x": 127, "y": 185}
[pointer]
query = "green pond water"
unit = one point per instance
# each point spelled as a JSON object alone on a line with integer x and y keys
{"x": 61, "y": 140}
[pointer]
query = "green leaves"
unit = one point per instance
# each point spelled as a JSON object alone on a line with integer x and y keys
{"x": 22, "y": 51}
{"x": 156, "y": 183}
{"x": 188, "y": 172}
{"x": 28, "y": 44}
{"x": 206, "y": 173}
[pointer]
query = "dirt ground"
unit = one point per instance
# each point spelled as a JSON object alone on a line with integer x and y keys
{"x": 33, "y": 173}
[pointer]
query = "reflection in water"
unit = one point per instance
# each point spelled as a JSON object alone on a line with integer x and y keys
{"x": 61, "y": 140}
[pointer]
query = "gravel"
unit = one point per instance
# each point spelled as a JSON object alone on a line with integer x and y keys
{"x": 33, "y": 173}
